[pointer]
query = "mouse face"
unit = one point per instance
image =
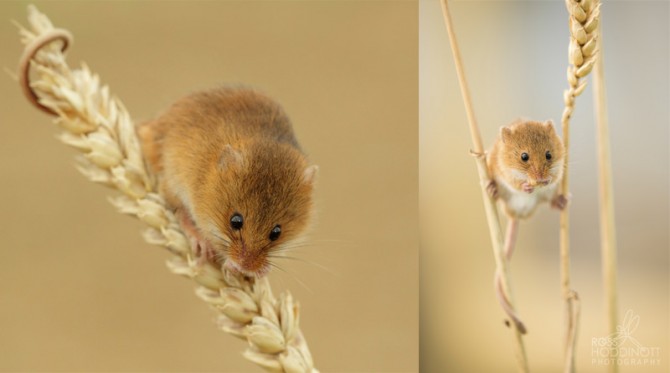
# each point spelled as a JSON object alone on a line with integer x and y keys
{"x": 532, "y": 153}
{"x": 263, "y": 202}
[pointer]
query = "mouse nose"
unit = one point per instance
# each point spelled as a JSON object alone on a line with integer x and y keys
{"x": 544, "y": 181}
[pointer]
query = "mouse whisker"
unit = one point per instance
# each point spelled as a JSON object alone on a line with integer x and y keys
{"x": 223, "y": 239}
{"x": 275, "y": 265}
{"x": 285, "y": 250}
{"x": 291, "y": 245}
{"x": 293, "y": 276}
{"x": 264, "y": 247}
{"x": 220, "y": 256}
{"x": 296, "y": 244}
{"x": 306, "y": 261}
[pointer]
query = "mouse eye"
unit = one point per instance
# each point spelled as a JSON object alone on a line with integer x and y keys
{"x": 275, "y": 232}
{"x": 236, "y": 221}
{"x": 525, "y": 157}
{"x": 548, "y": 155}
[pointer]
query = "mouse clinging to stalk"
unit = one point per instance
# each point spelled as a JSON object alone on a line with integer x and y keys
{"x": 526, "y": 165}
{"x": 228, "y": 163}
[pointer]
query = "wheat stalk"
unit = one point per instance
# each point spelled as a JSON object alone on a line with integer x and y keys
{"x": 99, "y": 127}
{"x": 502, "y": 284}
{"x": 584, "y": 16}
{"x": 608, "y": 245}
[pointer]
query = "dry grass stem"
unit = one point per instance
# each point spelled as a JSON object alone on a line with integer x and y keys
{"x": 503, "y": 288}
{"x": 99, "y": 127}
{"x": 608, "y": 245}
{"x": 584, "y": 16}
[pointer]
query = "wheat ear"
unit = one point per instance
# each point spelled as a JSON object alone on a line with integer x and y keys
{"x": 502, "y": 283}
{"x": 584, "y": 17}
{"x": 97, "y": 124}
{"x": 608, "y": 246}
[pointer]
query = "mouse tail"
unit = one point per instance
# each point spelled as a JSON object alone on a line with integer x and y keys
{"x": 507, "y": 306}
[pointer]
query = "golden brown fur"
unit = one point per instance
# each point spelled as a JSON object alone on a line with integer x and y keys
{"x": 226, "y": 151}
{"x": 537, "y": 177}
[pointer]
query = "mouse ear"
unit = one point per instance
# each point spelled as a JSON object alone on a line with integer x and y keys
{"x": 230, "y": 157}
{"x": 549, "y": 124}
{"x": 309, "y": 175}
{"x": 505, "y": 134}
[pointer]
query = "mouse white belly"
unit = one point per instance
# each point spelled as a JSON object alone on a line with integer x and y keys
{"x": 521, "y": 204}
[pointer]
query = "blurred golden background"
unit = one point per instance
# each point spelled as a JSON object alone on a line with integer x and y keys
{"x": 515, "y": 56}
{"x": 81, "y": 291}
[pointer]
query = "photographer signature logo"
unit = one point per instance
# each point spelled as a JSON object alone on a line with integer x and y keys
{"x": 621, "y": 348}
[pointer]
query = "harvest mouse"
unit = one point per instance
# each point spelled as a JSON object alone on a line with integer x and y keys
{"x": 228, "y": 163}
{"x": 526, "y": 165}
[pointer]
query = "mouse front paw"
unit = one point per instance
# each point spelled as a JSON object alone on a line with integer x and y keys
{"x": 202, "y": 250}
{"x": 492, "y": 189}
{"x": 200, "y": 247}
{"x": 560, "y": 202}
{"x": 526, "y": 187}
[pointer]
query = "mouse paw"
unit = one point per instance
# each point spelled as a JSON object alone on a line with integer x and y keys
{"x": 492, "y": 189}
{"x": 202, "y": 250}
{"x": 200, "y": 247}
{"x": 559, "y": 202}
{"x": 527, "y": 188}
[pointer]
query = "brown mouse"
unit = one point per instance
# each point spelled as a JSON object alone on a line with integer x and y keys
{"x": 526, "y": 165}
{"x": 228, "y": 162}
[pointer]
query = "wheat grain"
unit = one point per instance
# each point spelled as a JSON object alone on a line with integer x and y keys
{"x": 97, "y": 124}
{"x": 582, "y": 52}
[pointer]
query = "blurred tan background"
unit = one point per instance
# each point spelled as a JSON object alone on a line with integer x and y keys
{"x": 515, "y": 56}
{"x": 81, "y": 291}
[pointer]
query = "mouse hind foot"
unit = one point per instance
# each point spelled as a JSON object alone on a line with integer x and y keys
{"x": 492, "y": 189}
{"x": 560, "y": 202}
